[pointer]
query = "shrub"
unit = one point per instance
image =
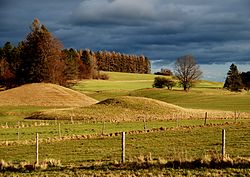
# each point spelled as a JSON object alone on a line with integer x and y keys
{"x": 162, "y": 82}
{"x": 100, "y": 75}
{"x": 104, "y": 76}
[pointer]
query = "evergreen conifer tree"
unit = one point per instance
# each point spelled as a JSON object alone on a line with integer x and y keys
{"x": 233, "y": 81}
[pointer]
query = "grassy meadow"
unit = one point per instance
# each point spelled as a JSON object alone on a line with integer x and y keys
{"x": 180, "y": 145}
{"x": 175, "y": 144}
{"x": 165, "y": 125}
{"x": 204, "y": 95}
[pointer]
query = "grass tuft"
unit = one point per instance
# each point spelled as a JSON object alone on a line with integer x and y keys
{"x": 27, "y": 166}
{"x": 3, "y": 164}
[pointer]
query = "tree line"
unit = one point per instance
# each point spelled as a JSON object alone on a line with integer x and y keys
{"x": 117, "y": 62}
{"x": 41, "y": 58}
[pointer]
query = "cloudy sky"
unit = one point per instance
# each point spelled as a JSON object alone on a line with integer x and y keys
{"x": 215, "y": 32}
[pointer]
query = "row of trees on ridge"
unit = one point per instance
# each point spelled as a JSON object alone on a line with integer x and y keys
{"x": 117, "y": 62}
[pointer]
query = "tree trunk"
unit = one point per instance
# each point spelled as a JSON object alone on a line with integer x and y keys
{"x": 185, "y": 87}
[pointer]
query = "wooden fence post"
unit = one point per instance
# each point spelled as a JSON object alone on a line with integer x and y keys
{"x": 18, "y": 136}
{"x": 103, "y": 126}
{"x": 145, "y": 124}
{"x": 236, "y": 115}
{"x": 123, "y": 146}
{"x": 71, "y": 117}
{"x": 37, "y": 153}
{"x": 59, "y": 130}
{"x": 223, "y": 149}
{"x": 205, "y": 122}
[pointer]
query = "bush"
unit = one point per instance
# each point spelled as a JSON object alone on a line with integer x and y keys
{"x": 100, "y": 75}
{"x": 104, "y": 76}
{"x": 162, "y": 82}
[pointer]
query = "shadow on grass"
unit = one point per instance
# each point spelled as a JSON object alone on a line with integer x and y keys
{"x": 136, "y": 164}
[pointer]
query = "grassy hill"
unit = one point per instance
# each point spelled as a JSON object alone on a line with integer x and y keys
{"x": 117, "y": 81}
{"x": 117, "y": 109}
{"x": 128, "y": 108}
{"x": 213, "y": 99}
{"x": 42, "y": 94}
{"x": 204, "y": 95}
{"x": 131, "y": 81}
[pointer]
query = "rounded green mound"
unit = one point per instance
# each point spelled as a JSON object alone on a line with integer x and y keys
{"x": 128, "y": 108}
{"x": 141, "y": 103}
{"x": 118, "y": 109}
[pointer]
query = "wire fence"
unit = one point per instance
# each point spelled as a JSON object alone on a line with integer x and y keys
{"x": 180, "y": 140}
{"x": 26, "y": 130}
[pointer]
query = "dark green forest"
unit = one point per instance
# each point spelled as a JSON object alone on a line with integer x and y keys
{"x": 40, "y": 57}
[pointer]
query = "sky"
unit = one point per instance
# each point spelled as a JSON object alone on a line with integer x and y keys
{"x": 216, "y": 33}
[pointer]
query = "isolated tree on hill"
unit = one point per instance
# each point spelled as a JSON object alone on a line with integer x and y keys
{"x": 187, "y": 71}
{"x": 41, "y": 56}
{"x": 233, "y": 81}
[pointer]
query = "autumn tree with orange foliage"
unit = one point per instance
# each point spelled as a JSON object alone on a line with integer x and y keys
{"x": 41, "y": 57}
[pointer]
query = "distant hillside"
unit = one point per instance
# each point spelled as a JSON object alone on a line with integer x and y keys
{"x": 44, "y": 94}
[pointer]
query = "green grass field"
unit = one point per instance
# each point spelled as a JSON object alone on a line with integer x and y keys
{"x": 117, "y": 81}
{"x": 130, "y": 81}
{"x": 184, "y": 143}
{"x": 177, "y": 144}
{"x": 200, "y": 98}
{"x": 50, "y": 129}
{"x": 181, "y": 143}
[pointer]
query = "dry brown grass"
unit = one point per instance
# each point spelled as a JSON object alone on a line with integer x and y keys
{"x": 28, "y": 166}
{"x": 44, "y": 94}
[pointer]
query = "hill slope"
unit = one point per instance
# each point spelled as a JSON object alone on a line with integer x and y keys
{"x": 43, "y": 94}
{"x": 129, "y": 108}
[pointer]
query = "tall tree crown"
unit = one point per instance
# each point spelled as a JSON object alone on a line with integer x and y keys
{"x": 41, "y": 55}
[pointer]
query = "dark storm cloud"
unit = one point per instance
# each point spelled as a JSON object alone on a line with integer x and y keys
{"x": 16, "y": 16}
{"x": 213, "y": 31}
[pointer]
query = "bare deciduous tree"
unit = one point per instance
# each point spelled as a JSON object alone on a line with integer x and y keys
{"x": 187, "y": 71}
